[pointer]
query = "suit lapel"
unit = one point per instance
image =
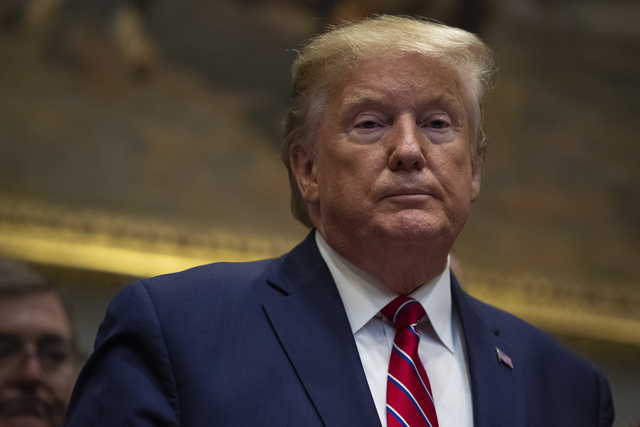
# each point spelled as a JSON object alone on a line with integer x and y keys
{"x": 309, "y": 319}
{"x": 492, "y": 379}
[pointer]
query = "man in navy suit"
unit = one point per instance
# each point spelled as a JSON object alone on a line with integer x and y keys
{"x": 384, "y": 150}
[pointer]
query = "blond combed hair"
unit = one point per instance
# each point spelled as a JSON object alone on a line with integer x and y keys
{"x": 327, "y": 58}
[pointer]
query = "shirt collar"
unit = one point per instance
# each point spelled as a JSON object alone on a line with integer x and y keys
{"x": 363, "y": 296}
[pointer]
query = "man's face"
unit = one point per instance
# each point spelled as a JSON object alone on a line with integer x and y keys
{"x": 37, "y": 367}
{"x": 392, "y": 155}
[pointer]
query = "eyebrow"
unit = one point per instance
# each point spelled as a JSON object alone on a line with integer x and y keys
{"x": 52, "y": 339}
{"x": 363, "y": 95}
{"x": 44, "y": 337}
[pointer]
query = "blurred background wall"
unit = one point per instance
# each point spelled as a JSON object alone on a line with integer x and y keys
{"x": 141, "y": 136}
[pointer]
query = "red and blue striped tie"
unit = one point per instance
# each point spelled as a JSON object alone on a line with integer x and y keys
{"x": 409, "y": 397}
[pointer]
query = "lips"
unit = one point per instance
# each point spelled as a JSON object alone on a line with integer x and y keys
{"x": 407, "y": 192}
{"x": 25, "y": 406}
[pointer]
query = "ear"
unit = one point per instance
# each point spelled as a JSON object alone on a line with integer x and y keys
{"x": 477, "y": 163}
{"x": 476, "y": 178}
{"x": 303, "y": 164}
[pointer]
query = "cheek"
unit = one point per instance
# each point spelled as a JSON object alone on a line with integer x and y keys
{"x": 351, "y": 166}
{"x": 454, "y": 172}
{"x": 63, "y": 382}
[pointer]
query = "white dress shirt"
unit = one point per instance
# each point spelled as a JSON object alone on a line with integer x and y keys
{"x": 441, "y": 349}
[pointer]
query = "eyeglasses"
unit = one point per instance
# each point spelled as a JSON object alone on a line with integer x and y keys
{"x": 52, "y": 351}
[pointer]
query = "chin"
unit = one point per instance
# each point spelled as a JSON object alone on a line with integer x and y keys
{"x": 418, "y": 228}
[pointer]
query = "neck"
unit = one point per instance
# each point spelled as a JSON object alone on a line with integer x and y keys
{"x": 402, "y": 266}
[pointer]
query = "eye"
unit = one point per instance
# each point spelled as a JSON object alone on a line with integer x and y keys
{"x": 54, "y": 357}
{"x": 10, "y": 345}
{"x": 367, "y": 124}
{"x": 53, "y": 351}
{"x": 438, "y": 123}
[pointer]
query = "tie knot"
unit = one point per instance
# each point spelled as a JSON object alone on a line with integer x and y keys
{"x": 403, "y": 312}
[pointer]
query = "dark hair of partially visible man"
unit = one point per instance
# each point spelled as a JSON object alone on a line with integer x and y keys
{"x": 38, "y": 350}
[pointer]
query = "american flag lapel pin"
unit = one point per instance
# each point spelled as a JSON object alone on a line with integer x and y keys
{"x": 504, "y": 358}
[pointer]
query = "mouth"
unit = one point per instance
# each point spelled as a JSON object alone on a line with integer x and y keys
{"x": 25, "y": 407}
{"x": 409, "y": 194}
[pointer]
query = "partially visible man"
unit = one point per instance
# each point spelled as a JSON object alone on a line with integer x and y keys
{"x": 38, "y": 354}
{"x": 363, "y": 323}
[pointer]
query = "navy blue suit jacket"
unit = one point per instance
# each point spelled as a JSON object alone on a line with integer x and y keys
{"x": 268, "y": 344}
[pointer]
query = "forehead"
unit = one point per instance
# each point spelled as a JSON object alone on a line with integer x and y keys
{"x": 33, "y": 314}
{"x": 409, "y": 79}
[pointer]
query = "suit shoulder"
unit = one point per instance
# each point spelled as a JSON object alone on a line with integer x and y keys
{"x": 218, "y": 282}
{"x": 219, "y": 273}
{"x": 532, "y": 341}
{"x": 554, "y": 375}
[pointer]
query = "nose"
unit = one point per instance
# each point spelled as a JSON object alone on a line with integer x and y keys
{"x": 406, "y": 149}
{"x": 29, "y": 366}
